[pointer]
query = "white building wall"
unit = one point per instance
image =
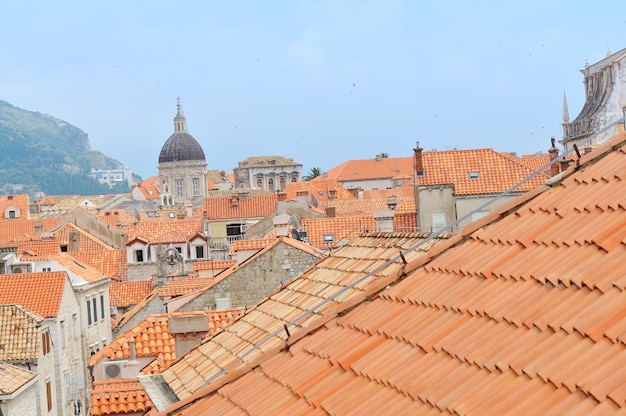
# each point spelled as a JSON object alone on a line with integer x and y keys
{"x": 23, "y": 404}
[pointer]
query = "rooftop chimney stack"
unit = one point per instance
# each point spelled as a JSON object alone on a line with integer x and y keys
{"x": 554, "y": 154}
{"x": 418, "y": 164}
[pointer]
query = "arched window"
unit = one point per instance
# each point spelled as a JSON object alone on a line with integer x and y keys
{"x": 270, "y": 184}
{"x": 164, "y": 200}
{"x": 282, "y": 182}
{"x": 259, "y": 183}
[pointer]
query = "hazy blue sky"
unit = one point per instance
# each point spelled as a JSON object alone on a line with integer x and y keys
{"x": 319, "y": 81}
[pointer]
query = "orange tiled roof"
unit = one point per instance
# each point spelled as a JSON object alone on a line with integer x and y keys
{"x": 110, "y": 262}
{"x": 521, "y": 313}
{"x": 164, "y": 230}
{"x": 121, "y": 396}
{"x": 19, "y": 333}
{"x": 87, "y": 241}
{"x": 404, "y": 192}
{"x": 20, "y": 201}
{"x": 153, "y": 338}
{"x": 342, "y": 228}
{"x": 367, "y": 207}
{"x": 41, "y": 293}
{"x": 254, "y": 206}
{"x": 84, "y": 270}
{"x": 38, "y": 247}
{"x": 497, "y": 173}
{"x": 125, "y": 294}
{"x": 13, "y": 378}
{"x": 254, "y": 244}
{"x": 213, "y": 265}
{"x": 179, "y": 287}
{"x": 323, "y": 190}
{"x": 363, "y": 256}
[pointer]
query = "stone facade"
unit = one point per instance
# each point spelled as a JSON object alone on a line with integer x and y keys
{"x": 259, "y": 277}
{"x": 272, "y": 173}
{"x": 605, "y": 102}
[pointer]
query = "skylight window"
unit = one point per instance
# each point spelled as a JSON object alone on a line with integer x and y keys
{"x": 473, "y": 175}
{"x": 328, "y": 238}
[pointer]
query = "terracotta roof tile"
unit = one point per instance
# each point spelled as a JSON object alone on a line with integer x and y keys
{"x": 321, "y": 191}
{"x": 122, "y": 396}
{"x": 153, "y": 338}
{"x": 13, "y": 378}
{"x": 110, "y": 262}
{"x": 288, "y": 305}
{"x": 213, "y": 264}
{"x": 124, "y": 294}
{"x": 254, "y": 206}
{"x": 164, "y": 230}
{"x": 496, "y": 172}
{"x": 492, "y": 321}
{"x": 19, "y": 333}
{"x": 39, "y": 292}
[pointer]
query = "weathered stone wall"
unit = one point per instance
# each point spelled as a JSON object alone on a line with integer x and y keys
{"x": 256, "y": 280}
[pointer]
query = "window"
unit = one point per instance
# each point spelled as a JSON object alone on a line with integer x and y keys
{"x": 195, "y": 185}
{"x": 270, "y": 184}
{"x": 179, "y": 187}
{"x": 259, "y": 183}
{"x": 233, "y": 229}
{"x": 138, "y": 256}
{"x": 328, "y": 238}
{"x": 64, "y": 249}
{"x": 439, "y": 222}
{"x": 102, "y": 306}
{"x": 282, "y": 183}
{"x": 11, "y": 214}
{"x": 199, "y": 252}
{"x": 473, "y": 175}
{"x": 88, "y": 312}
{"x": 95, "y": 310}
{"x": 45, "y": 342}
{"x": 49, "y": 395}
{"x": 46, "y": 269}
{"x": 179, "y": 249}
{"x": 332, "y": 194}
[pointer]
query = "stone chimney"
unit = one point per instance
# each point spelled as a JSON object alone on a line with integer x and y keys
{"x": 384, "y": 221}
{"x": 281, "y": 197}
{"x": 378, "y": 158}
{"x": 392, "y": 202}
{"x": 330, "y": 212}
{"x": 418, "y": 164}
{"x": 281, "y": 225}
{"x": 74, "y": 241}
{"x": 554, "y": 154}
{"x": 38, "y": 228}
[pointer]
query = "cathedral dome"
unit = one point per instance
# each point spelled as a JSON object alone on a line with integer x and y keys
{"x": 181, "y": 146}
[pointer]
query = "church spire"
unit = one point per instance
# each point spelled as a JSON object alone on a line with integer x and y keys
{"x": 180, "y": 123}
{"x": 565, "y": 109}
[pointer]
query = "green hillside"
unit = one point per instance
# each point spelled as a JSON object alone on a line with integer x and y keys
{"x": 43, "y": 153}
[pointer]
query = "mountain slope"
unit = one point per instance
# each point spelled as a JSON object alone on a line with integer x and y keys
{"x": 47, "y": 154}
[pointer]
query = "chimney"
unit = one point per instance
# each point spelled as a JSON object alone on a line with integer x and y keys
{"x": 554, "y": 153}
{"x": 38, "y": 228}
{"x": 74, "y": 241}
{"x": 384, "y": 221}
{"x": 392, "y": 202}
{"x": 418, "y": 164}
{"x": 281, "y": 225}
{"x": 564, "y": 164}
{"x": 378, "y": 157}
{"x": 330, "y": 212}
{"x": 281, "y": 197}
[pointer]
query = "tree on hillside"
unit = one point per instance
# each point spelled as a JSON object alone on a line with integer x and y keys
{"x": 313, "y": 173}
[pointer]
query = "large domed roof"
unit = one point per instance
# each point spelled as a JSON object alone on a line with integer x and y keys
{"x": 181, "y": 146}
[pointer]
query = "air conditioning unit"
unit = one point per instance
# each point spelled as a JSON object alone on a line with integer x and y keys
{"x": 113, "y": 369}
